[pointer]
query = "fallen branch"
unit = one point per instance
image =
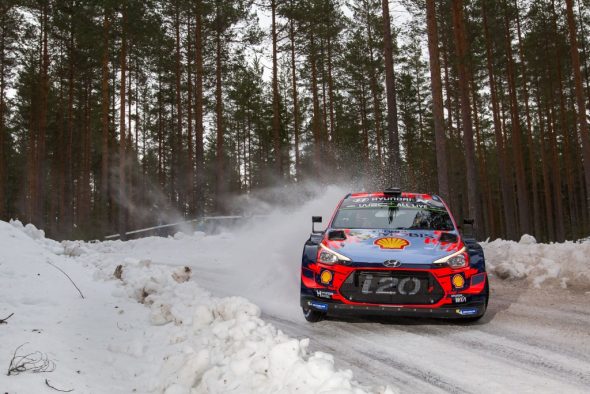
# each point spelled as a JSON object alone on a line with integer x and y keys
{"x": 68, "y": 276}
{"x": 34, "y": 362}
{"x": 3, "y": 321}
{"x": 56, "y": 389}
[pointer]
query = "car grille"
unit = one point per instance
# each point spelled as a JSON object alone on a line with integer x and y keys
{"x": 392, "y": 287}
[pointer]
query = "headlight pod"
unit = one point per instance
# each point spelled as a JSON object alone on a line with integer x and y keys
{"x": 456, "y": 260}
{"x": 330, "y": 257}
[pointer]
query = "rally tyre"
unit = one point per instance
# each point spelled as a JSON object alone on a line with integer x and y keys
{"x": 313, "y": 316}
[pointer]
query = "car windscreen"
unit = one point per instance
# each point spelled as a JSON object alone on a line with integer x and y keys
{"x": 393, "y": 215}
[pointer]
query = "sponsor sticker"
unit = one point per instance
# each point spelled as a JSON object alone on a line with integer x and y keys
{"x": 458, "y": 298}
{"x": 466, "y": 311}
{"x": 392, "y": 243}
{"x": 318, "y": 305}
{"x": 326, "y": 277}
{"x": 458, "y": 281}
{"x": 324, "y": 293}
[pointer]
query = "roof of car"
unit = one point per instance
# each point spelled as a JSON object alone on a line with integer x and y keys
{"x": 424, "y": 196}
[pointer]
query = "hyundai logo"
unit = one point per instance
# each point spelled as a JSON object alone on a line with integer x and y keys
{"x": 392, "y": 263}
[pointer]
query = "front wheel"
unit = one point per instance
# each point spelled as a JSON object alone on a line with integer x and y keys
{"x": 313, "y": 316}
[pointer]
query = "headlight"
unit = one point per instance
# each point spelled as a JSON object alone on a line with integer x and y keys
{"x": 456, "y": 260}
{"x": 330, "y": 257}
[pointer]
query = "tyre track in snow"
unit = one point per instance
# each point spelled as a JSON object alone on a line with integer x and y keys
{"x": 383, "y": 367}
{"x": 543, "y": 350}
{"x": 530, "y": 341}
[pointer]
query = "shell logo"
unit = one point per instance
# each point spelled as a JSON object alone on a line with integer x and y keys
{"x": 392, "y": 243}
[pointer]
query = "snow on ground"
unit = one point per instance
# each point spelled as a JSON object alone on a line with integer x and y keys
{"x": 152, "y": 330}
{"x": 164, "y": 328}
{"x": 565, "y": 265}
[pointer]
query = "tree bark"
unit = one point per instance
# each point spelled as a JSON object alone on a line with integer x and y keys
{"x": 374, "y": 91}
{"x": 517, "y": 151}
{"x": 392, "y": 126}
{"x": 580, "y": 98}
{"x": 316, "y": 119}
{"x": 190, "y": 166}
{"x": 199, "y": 151}
{"x": 104, "y": 183}
{"x": 548, "y": 200}
{"x": 437, "y": 100}
{"x": 530, "y": 140}
{"x": 463, "y": 72}
{"x": 295, "y": 97}
{"x": 276, "y": 116}
{"x": 122, "y": 132}
{"x": 39, "y": 201}
{"x": 505, "y": 177}
{"x": 2, "y": 125}
{"x": 177, "y": 162}
{"x": 219, "y": 158}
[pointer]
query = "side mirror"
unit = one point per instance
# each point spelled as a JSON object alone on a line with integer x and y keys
{"x": 470, "y": 223}
{"x": 314, "y": 220}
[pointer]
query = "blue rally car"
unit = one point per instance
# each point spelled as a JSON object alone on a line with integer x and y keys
{"x": 393, "y": 253}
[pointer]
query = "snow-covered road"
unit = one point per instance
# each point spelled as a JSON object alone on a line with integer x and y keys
{"x": 531, "y": 340}
{"x": 535, "y": 336}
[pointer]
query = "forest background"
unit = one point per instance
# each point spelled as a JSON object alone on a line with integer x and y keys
{"x": 116, "y": 115}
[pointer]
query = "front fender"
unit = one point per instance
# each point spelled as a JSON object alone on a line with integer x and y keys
{"x": 476, "y": 256}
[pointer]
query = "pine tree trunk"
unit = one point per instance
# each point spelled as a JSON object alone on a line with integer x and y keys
{"x": 331, "y": 93}
{"x": 462, "y": 61}
{"x": 555, "y": 163}
{"x": 295, "y": 98}
{"x": 2, "y": 122}
{"x": 374, "y": 92}
{"x": 326, "y": 152}
{"x": 530, "y": 140}
{"x": 580, "y": 99}
{"x": 392, "y": 126}
{"x": 199, "y": 152}
{"x": 489, "y": 223}
{"x": 190, "y": 165}
{"x": 505, "y": 177}
{"x": 160, "y": 137}
{"x": 177, "y": 164}
{"x": 219, "y": 159}
{"x": 365, "y": 129}
{"x": 104, "y": 183}
{"x": 276, "y": 116}
{"x": 84, "y": 201}
{"x": 548, "y": 197}
{"x": 122, "y": 135}
{"x": 517, "y": 151}
{"x": 316, "y": 119}
{"x": 437, "y": 100}
{"x": 41, "y": 148}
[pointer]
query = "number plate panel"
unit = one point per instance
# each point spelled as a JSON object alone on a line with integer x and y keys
{"x": 392, "y": 287}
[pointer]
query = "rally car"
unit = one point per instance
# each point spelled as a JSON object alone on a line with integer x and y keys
{"x": 393, "y": 253}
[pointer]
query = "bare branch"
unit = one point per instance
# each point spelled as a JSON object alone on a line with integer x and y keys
{"x": 56, "y": 389}
{"x": 63, "y": 272}
{"x": 3, "y": 321}
{"x": 35, "y": 362}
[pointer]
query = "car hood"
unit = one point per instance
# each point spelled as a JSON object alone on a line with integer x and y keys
{"x": 409, "y": 247}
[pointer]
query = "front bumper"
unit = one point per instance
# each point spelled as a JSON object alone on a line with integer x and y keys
{"x": 449, "y": 301}
{"x": 474, "y": 308}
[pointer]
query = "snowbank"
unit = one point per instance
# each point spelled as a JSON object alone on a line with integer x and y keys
{"x": 147, "y": 328}
{"x": 556, "y": 264}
